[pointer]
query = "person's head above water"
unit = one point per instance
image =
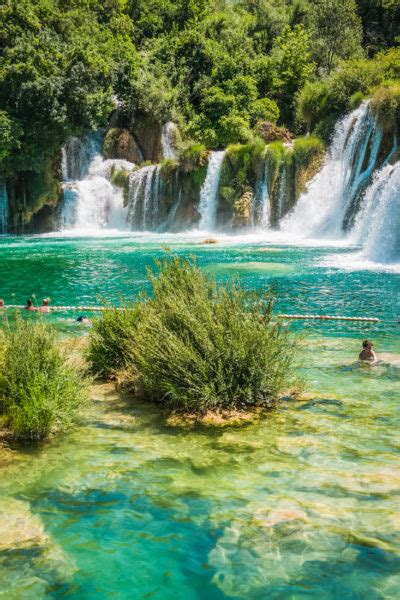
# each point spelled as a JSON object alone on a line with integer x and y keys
{"x": 367, "y": 344}
{"x": 45, "y": 302}
{"x": 29, "y": 303}
{"x": 1, "y": 303}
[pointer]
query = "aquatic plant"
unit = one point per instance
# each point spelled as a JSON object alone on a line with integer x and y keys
{"x": 40, "y": 391}
{"x": 111, "y": 340}
{"x": 199, "y": 345}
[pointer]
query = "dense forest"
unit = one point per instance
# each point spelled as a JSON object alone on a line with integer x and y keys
{"x": 216, "y": 68}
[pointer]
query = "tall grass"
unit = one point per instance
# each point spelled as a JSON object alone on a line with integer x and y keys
{"x": 111, "y": 340}
{"x": 197, "y": 346}
{"x": 40, "y": 392}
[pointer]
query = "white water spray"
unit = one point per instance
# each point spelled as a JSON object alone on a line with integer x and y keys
{"x": 321, "y": 211}
{"x": 144, "y": 198}
{"x": 377, "y": 227}
{"x": 209, "y": 192}
{"x": 91, "y": 202}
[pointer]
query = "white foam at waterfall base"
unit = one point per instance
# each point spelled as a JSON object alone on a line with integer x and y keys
{"x": 91, "y": 202}
{"x": 209, "y": 192}
{"x": 320, "y": 212}
{"x": 3, "y": 208}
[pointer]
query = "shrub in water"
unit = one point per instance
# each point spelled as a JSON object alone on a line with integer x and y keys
{"x": 39, "y": 391}
{"x": 200, "y": 346}
{"x": 111, "y": 340}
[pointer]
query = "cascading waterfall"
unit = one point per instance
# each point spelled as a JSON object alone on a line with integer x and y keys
{"x": 144, "y": 198}
{"x": 3, "y": 208}
{"x": 321, "y": 211}
{"x": 209, "y": 192}
{"x": 282, "y": 194}
{"x": 168, "y": 140}
{"x": 261, "y": 206}
{"x": 91, "y": 202}
{"x": 377, "y": 226}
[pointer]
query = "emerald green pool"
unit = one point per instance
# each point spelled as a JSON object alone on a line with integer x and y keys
{"x": 305, "y": 504}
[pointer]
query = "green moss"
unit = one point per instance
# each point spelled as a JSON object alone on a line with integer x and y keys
{"x": 193, "y": 156}
{"x": 110, "y": 142}
{"x": 385, "y": 104}
{"x": 120, "y": 178}
{"x": 307, "y": 156}
{"x": 274, "y": 157}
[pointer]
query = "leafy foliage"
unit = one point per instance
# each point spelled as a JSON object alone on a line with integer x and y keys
{"x": 217, "y": 68}
{"x": 40, "y": 392}
{"x": 197, "y": 346}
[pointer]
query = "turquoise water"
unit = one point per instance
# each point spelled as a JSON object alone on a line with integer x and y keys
{"x": 302, "y": 505}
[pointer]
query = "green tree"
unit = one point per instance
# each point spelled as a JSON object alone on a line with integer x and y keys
{"x": 336, "y": 31}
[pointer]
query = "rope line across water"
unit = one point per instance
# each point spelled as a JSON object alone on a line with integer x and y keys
{"x": 281, "y": 316}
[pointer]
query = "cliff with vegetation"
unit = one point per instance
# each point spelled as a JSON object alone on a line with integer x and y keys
{"x": 229, "y": 74}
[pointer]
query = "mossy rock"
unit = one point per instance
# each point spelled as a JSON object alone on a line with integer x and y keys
{"x": 120, "y": 143}
{"x": 270, "y": 132}
{"x": 147, "y": 133}
{"x": 385, "y": 104}
{"x": 242, "y": 209}
{"x": 120, "y": 178}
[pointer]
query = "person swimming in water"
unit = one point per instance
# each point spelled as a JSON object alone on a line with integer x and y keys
{"x": 367, "y": 354}
{"x": 2, "y": 305}
{"x": 45, "y": 308}
{"x": 29, "y": 305}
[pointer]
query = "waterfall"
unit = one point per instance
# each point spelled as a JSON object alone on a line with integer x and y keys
{"x": 209, "y": 192}
{"x": 3, "y": 208}
{"x": 91, "y": 201}
{"x": 333, "y": 193}
{"x": 282, "y": 194}
{"x": 144, "y": 198}
{"x": 261, "y": 206}
{"x": 377, "y": 227}
{"x": 168, "y": 140}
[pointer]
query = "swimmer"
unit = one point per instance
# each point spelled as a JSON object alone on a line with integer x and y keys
{"x": 29, "y": 305}
{"x": 84, "y": 320}
{"x": 45, "y": 308}
{"x": 367, "y": 354}
{"x": 2, "y": 305}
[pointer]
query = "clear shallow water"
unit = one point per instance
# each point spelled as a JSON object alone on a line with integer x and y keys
{"x": 304, "y": 504}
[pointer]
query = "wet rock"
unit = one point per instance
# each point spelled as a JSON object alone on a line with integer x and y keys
{"x": 120, "y": 143}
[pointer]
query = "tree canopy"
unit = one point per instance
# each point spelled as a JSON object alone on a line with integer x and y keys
{"x": 217, "y": 68}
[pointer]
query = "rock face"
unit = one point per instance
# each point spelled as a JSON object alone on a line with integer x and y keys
{"x": 33, "y": 198}
{"x": 147, "y": 133}
{"x": 120, "y": 143}
{"x": 242, "y": 209}
{"x": 271, "y": 133}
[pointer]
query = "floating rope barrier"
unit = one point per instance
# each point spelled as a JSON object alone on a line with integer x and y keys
{"x": 331, "y": 318}
{"x": 281, "y": 316}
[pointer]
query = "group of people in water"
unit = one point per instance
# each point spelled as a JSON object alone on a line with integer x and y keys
{"x": 45, "y": 308}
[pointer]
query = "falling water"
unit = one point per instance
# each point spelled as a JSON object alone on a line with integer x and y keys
{"x": 377, "y": 227}
{"x": 144, "y": 198}
{"x": 209, "y": 192}
{"x": 3, "y": 208}
{"x": 168, "y": 140}
{"x": 321, "y": 211}
{"x": 261, "y": 206}
{"x": 91, "y": 201}
{"x": 282, "y": 194}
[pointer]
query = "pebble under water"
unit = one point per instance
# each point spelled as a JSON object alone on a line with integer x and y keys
{"x": 304, "y": 504}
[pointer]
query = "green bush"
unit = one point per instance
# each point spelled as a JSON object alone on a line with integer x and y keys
{"x": 40, "y": 391}
{"x": 274, "y": 157}
{"x": 110, "y": 340}
{"x": 201, "y": 346}
{"x": 263, "y": 109}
